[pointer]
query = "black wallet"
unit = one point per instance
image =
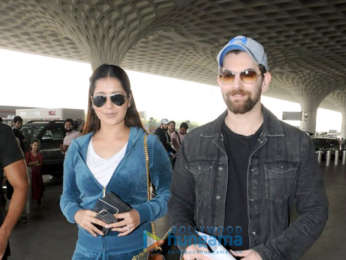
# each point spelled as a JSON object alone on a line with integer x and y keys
{"x": 106, "y": 207}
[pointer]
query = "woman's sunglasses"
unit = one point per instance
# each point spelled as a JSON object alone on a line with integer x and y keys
{"x": 246, "y": 76}
{"x": 117, "y": 99}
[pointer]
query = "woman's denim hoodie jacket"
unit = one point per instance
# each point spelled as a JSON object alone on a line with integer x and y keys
{"x": 129, "y": 182}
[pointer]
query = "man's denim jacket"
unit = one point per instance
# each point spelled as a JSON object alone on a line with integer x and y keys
{"x": 282, "y": 175}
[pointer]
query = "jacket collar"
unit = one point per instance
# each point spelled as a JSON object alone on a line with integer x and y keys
{"x": 271, "y": 125}
{"x": 83, "y": 141}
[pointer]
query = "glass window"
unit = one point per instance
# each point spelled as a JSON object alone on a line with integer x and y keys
{"x": 57, "y": 133}
{"x": 47, "y": 134}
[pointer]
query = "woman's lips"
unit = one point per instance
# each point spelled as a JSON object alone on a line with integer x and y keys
{"x": 110, "y": 114}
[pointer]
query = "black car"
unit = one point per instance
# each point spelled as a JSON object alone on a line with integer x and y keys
{"x": 51, "y": 135}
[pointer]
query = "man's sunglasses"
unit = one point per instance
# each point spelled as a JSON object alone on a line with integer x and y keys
{"x": 246, "y": 76}
{"x": 117, "y": 99}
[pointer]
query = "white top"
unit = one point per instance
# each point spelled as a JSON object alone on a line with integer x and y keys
{"x": 103, "y": 169}
{"x": 70, "y": 136}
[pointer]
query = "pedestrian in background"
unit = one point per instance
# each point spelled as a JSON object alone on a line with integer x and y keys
{"x": 70, "y": 134}
{"x": 178, "y": 136}
{"x": 34, "y": 161}
{"x": 17, "y": 125}
{"x": 165, "y": 138}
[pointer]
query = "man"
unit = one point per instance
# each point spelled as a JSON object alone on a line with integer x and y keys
{"x": 178, "y": 137}
{"x": 17, "y": 125}
{"x": 13, "y": 166}
{"x": 162, "y": 133}
{"x": 172, "y": 133}
{"x": 245, "y": 171}
{"x": 70, "y": 134}
{"x": 171, "y": 128}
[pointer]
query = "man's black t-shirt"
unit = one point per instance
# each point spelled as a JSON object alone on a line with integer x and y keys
{"x": 9, "y": 150}
{"x": 20, "y": 136}
{"x": 238, "y": 149}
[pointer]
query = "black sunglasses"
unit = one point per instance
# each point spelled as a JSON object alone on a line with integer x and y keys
{"x": 117, "y": 99}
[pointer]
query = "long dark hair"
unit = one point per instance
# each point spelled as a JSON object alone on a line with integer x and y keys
{"x": 132, "y": 117}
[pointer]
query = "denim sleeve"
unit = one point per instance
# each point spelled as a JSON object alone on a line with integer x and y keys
{"x": 312, "y": 210}
{"x": 182, "y": 203}
{"x": 160, "y": 174}
{"x": 70, "y": 199}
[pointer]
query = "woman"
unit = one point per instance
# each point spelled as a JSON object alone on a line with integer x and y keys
{"x": 34, "y": 161}
{"x": 110, "y": 157}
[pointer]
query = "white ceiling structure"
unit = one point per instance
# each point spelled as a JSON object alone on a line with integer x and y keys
{"x": 305, "y": 39}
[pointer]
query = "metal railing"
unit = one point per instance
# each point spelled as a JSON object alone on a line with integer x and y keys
{"x": 339, "y": 157}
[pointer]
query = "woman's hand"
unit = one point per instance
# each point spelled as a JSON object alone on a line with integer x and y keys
{"x": 34, "y": 163}
{"x": 86, "y": 219}
{"x": 128, "y": 222}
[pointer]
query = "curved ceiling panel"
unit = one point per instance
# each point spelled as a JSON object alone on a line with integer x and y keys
{"x": 305, "y": 40}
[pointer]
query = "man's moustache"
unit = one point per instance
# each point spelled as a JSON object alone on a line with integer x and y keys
{"x": 239, "y": 92}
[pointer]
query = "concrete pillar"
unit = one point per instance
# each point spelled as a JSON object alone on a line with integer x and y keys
{"x": 309, "y": 110}
{"x": 343, "y": 128}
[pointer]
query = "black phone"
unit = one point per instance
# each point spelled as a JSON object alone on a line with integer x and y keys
{"x": 107, "y": 218}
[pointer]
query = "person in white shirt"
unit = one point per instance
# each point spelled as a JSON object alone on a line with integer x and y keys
{"x": 70, "y": 134}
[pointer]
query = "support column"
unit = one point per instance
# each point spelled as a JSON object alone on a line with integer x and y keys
{"x": 309, "y": 110}
{"x": 343, "y": 127}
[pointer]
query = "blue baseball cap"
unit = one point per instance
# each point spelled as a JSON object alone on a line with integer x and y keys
{"x": 247, "y": 44}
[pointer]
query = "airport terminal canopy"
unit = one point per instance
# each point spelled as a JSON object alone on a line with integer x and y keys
{"x": 305, "y": 39}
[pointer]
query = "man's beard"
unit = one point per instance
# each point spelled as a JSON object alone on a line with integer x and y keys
{"x": 243, "y": 106}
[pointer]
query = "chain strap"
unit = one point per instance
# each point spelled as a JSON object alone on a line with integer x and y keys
{"x": 149, "y": 185}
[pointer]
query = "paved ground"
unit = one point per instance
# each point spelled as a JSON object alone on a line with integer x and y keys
{"x": 47, "y": 236}
{"x": 331, "y": 244}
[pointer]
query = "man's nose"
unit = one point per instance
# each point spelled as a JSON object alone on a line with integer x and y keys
{"x": 237, "y": 81}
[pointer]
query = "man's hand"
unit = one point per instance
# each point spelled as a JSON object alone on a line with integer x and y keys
{"x": 247, "y": 254}
{"x": 196, "y": 252}
{"x": 4, "y": 236}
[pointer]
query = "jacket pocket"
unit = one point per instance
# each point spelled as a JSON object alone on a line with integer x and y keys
{"x": 203, "y": 174}
{"x": 280, "y": 179}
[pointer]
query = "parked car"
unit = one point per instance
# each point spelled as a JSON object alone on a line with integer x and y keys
{"x": 51, "y": 135}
